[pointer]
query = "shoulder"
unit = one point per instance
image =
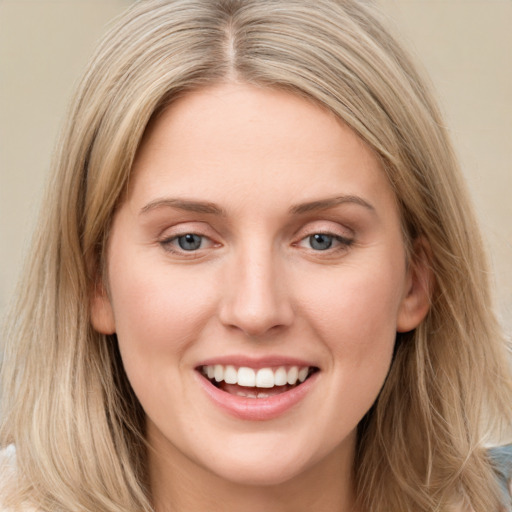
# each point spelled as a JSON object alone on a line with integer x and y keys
{"x": 501, "y": 460}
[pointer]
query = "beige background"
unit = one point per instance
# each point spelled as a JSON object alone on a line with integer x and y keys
{"x": 466, "y": 46}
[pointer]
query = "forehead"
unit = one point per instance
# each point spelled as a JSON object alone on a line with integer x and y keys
{"x": 240, "y": 139}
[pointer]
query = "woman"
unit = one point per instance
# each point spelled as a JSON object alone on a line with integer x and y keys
{"x": 257, "y": 283}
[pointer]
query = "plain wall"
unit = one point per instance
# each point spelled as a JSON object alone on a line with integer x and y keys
{"x": 465, "y": 45}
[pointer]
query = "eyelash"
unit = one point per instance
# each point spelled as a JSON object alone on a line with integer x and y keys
{"x": 169, "y": 244}
{"x": 341, "y": 243}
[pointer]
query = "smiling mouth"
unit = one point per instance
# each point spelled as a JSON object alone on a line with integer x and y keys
{"x": 256, "y": 383}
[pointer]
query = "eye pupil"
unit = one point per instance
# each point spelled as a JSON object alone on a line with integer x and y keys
{"x": 320, "y": 242}
{"x": 189, "y": 242}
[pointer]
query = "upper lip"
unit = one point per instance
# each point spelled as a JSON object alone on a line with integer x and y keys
{"x": 257, "y": 362}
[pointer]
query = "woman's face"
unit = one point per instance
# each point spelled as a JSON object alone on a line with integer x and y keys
{"x": 259, "y": 244}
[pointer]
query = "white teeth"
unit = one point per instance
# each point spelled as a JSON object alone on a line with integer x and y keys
{"x": 293, "y": 375}
{"x": 218, "y": 372}
{"x": 261, "y": 378}
{"x": 230, "y": 375}
{"x": 265, "y": 378}
{"x": 251, "y": 394}
{"x": 303, "y": 373}
{"x": 246, "y": 377}
{"x": 246, "y": 395}
{"x": 280, "y": 377}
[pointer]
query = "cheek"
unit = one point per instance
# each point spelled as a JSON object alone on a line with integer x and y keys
{"x": 354, "y": 313}
{"x": 359, "y": 300}
{"x": 158, "y": 311}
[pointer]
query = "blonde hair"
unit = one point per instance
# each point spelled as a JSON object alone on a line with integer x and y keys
{"x": 66, "y": 403}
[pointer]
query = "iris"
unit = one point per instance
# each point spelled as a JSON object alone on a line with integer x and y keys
{"x": 320, "y": 242}
{"x": 190, "y": 242}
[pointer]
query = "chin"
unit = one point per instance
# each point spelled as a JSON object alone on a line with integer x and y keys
{"x": 261, "y": 475}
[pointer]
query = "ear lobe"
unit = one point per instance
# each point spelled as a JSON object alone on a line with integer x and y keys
{"x": 418, "y": 290}
{"x": 102, "y": 315}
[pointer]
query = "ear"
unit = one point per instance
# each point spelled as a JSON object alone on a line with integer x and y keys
{"x": 102, "y": 314}
{"x": 418, "y": 288}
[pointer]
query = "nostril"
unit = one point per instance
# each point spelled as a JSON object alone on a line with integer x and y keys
{"x": 255, "y": 323}
{"x": 255, "y": 299}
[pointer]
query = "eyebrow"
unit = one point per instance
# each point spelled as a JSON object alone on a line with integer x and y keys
{"x": 184, "y": 204}
{"x": 213, "y": 209}
{"x": 324, "y": 204}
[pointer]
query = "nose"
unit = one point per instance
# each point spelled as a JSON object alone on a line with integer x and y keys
{"x": 255, "y": 299}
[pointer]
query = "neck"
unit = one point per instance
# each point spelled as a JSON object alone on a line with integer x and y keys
{"x": 178, "y": 484}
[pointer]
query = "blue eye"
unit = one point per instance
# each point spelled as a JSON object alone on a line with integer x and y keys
{"x": 326, "y": 242}
{"x": 190, "y": 241}
{"x": 320, "y": 241}
{"x": 188, "y": 245}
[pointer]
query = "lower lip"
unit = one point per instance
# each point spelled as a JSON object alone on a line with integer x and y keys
{"x": 257, "y": 409}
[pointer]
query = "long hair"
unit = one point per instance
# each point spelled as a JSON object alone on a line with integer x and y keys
{"x": 66, "y": 403}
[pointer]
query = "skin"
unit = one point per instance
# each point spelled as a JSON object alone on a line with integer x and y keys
{"x": 256, "y": 287}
